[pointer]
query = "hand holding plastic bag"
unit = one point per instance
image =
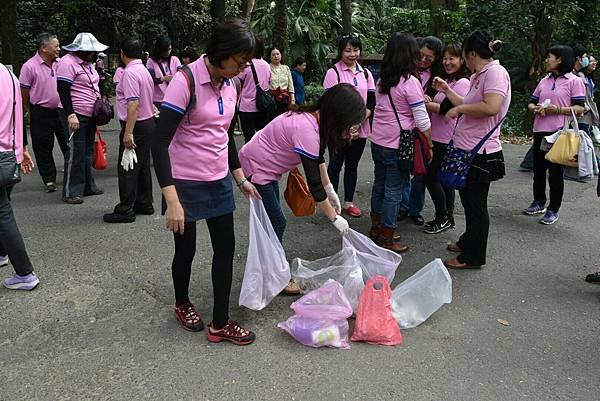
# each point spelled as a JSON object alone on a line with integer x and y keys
{"x": 333, "y": 198}
{"x": 374, "y": 321}
{"x": 267, "y": 270}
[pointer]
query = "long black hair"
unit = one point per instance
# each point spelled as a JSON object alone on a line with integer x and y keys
{"x": 161, "y": 46}
{"x": 399, "y": 60}
{"x": 340, "y": 107}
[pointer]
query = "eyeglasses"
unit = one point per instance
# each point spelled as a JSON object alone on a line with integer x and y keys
{"x": 427, "y": 58}
{"x": 349, "y": 35}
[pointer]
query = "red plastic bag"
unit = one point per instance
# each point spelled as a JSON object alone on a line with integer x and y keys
{"x": 421, "y": 156}
{"x": 100, "y": 160}
{"x": 374, "y": 321}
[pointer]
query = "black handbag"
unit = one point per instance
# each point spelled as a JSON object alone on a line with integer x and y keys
{"x": 10, "y": 170}
{"x": 103, "y": 110}
{"x": 265, "y": 101}
{"x": 407, "y": 143}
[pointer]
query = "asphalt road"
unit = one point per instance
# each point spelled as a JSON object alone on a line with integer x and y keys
{"x": 100, "y": 326}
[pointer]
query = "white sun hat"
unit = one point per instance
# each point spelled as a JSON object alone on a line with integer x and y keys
{"x": 85, "y": 42}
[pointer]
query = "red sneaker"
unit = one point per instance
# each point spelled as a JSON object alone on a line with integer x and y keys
{"x": 188, "y": 318}
{"x": 353, "y": 211}
{"x": 232, "y": 332}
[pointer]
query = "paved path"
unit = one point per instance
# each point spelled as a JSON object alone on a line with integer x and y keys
{"x": 100, "y": 325}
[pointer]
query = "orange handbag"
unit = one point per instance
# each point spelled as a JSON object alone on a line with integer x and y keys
{"x": 298, "y": 196}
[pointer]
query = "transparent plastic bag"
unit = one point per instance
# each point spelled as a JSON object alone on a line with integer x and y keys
{"x": 326, "y": 302}
{"x": 343, "y": 267}
{"x": 374, "y": 259}
{"x": 374, "y": 321}
{"x": 267, "y": 270}
{"x": 419, "y": 296}
{"x": 315, "y": 332}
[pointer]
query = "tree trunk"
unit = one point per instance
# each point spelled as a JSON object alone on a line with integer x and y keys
{"x": 247, "y": 7}
{"x": 436, "y": 8}
{"x": 542, "y": 37}
{"x": 280, "y": 26}
{"x": 217, "y": 10}
{"x": 8, "y": 34}
{"x": 346, "y": 7}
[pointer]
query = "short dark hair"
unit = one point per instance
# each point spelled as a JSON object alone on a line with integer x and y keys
{"x": 579, "y": 50}
{"x": 43, "y": 38}
{"x": 190, "y": 53}
{"x": 434, "y": 44}
{"x": 455, "y": 49}
{"x": 271, "y": 51}
{"x": 482, "y": 43}
{"x": 161, "y": 46}
{"x": 229, "y": 37}
{"x": 346, "y": 39}
{"x": 399, "y": 60}
{"x": 566, "y": 56}
{"x": 259, "y": 47}
{"x": 340, "y": 107}
{"x": 132, "y": 48}
{"x": 299, "y": 61}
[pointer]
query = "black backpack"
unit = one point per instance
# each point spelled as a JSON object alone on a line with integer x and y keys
{"x": 265, "y": 101}
{"x": 191, "y": 85}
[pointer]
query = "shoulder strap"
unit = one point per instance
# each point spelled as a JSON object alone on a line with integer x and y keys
{"x": 487, "y": 136}
{"x": 254, "y": 73}
{"x": 191, "y": 86}
{"x": 14, "y": 106}
{"x": 162, "y": 70}
{"x": 336, "y": 72}
{"x": 394, "y": 107}
{"x": 91, "y": 83}
{"x": 366, "y": 73}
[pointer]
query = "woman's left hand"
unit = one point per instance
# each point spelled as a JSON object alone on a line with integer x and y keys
{"x": 249, "y": 190}
{"x": 27, "y": 163}
{"x": 453, "y": 113}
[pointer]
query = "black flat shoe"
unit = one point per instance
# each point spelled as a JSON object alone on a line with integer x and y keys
{"x": 146, "y": 211}
{"x": 92, "y": 193}
{"x": 593, "y": 278}
{"x": 418, "y": 220}
{"x": 119, "y": 218}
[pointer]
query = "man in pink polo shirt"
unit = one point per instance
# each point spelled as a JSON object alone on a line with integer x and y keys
{"x": 12, "y": 246}
{"x": 136, "y": 112}
{"x": 38, "y": 89}
{"x": 77, "y": 83}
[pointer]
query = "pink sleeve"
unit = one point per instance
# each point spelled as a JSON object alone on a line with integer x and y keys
{"x": 305, "y": 139}
{"x": 577, "y": 89}
{"x": 26, "y": 76}
{"x": 177, "y": 95}
{"x": 462, "y": 87}
{"x": 151, "y": 66}
{"x": 537, "y": 90}
{"x": 496, "y": 81}
{"x": 176, "y": 64}
{"x": 65, "y": 72}
{"x": 413, "y": 91}
{"x": 331, "y": 79}
{"x": 131, "y": 86}
{"x": 370, "y": 82}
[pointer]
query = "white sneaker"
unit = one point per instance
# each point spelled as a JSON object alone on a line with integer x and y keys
{"x": 3, "y": 261}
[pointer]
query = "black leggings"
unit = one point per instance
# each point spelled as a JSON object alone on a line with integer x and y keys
{"x": 442, "y": 197}
{"x": 222, "y": 239}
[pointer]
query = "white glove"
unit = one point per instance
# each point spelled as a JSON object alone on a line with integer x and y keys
{"x": 129, "y": 159}
{"x": 341, "y": 224}
{"x": 156, "y": 111}
{"x": 333, "y": 198}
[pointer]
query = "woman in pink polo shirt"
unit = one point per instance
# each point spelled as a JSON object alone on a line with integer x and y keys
{"x": 450, "y": 88}
{"x": 347, "y": 70}
{"x": 482, "y": 111}
{"x": 193, "y": 155}
{"x": 555, "y": 96}
{"x": 300, "y": 137}
{"x": 162, "y": 66}
{"x": 399, "y": 110}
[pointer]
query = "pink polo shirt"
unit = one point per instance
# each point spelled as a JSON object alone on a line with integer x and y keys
{"x": 357, "y": 79}
{"x": 8, "y": 82}
{"x": 248, "y": 98}
{"x": 137, "y": 84}
{"x": 198, "y": 150}
{"x": 276, "y": 149}
{"x": 493, "y": 78}
{"x": 407, "y": 94}
{"x": 121, "y": 103}
{"x": 441, "y": 127}
{"x": 425, "y": 75}
{"x": 40, "y": 79}
{"x": 84, "y": 80}
{"x": 118, "y": 75}
{"x": 562, "y": 91}
{"x": 170, "y": 68}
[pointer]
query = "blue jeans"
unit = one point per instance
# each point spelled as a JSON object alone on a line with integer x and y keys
{"x": 416, "y": 199}
{"x": 349, "y": 155}
{"x": 388, "y": 184}
{"x": 272, "y": 202}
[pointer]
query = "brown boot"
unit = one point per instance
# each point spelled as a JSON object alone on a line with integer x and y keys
{"x": 386, "y": 240}
{"x": 375, "y": 226}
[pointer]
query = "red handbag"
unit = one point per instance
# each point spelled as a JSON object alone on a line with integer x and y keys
{"x": 100, "y": 160}
{"x": 421, "y": 157}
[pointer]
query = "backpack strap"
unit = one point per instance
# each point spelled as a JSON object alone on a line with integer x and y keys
{"x": 191, "y": 86}
{"x": 336, "y": 72}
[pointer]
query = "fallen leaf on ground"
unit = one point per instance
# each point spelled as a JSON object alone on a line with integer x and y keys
{"x": 503, "y": 322}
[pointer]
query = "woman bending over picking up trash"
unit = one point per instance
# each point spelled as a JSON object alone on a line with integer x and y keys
{"x": 301, "y": 137}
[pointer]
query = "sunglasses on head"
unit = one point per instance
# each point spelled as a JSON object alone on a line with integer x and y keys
{"x": 349, "y": 35}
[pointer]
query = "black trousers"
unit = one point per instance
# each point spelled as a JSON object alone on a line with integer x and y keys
{"x": 473, "y": 241}
{"x": 555, "y": 175}
{"x": 442, "y": 197}
{"x": 11, "y": 240}
{"x": 45, "y": 126}
{"x": 78, "y": 179}
{"x": 222, "y": 239}
{"x": 251, "y": 123}
{"x": 135, "y": 186}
